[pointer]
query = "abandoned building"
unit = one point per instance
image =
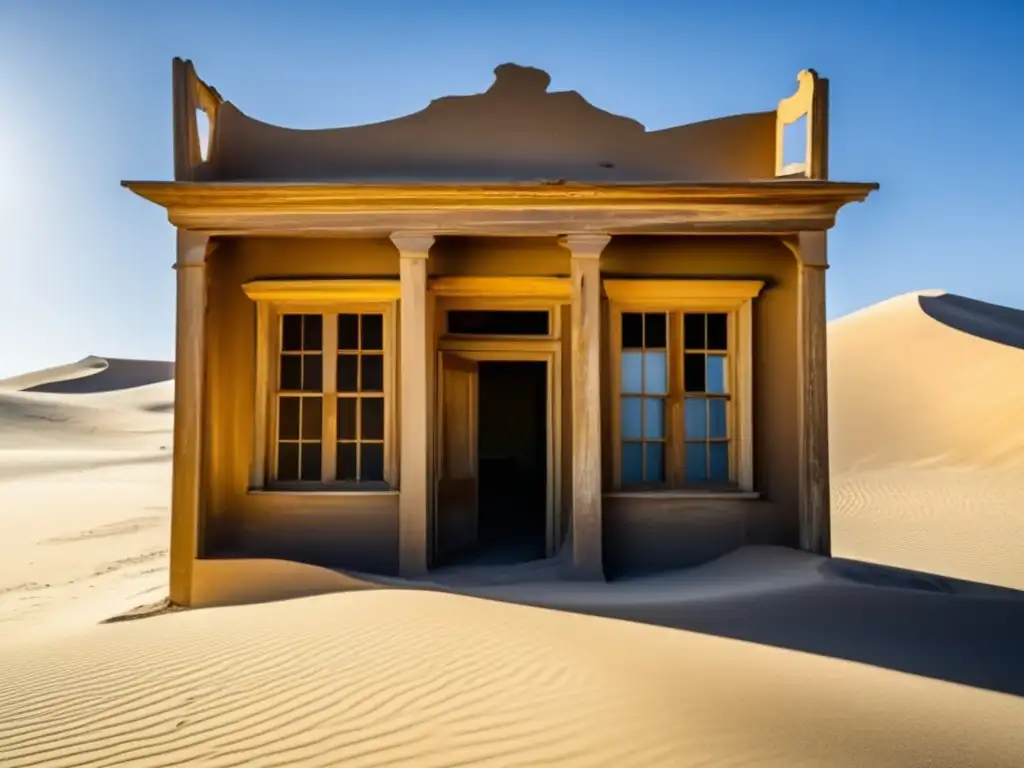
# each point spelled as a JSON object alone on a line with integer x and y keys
{"x": 508, "y": 326}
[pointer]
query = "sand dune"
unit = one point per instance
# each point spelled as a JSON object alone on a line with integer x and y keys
{"x": 926, "y": 417}
{"x": 767, "y": 657}
{"x": 91, "y": 375}
{"x": 84, "y": 493}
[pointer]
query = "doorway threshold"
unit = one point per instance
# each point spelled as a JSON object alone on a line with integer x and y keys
{"x": 482, "y": 573}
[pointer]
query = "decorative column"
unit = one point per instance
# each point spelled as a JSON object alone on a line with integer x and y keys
{"x": 190, "y": 350}
{"x": 414, "y": 492}
{"x": 812, "y": 391}
{"x": 586, "y": 533}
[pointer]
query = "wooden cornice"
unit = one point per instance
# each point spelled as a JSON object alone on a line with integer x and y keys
{"x": 501, "y": 209}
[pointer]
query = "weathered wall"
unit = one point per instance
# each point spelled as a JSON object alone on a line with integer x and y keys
{"x": 355, "y": 530}
{"x": 517, "y": 130}
{"x": 665, "y": 533}
{"x": 650, "y": 535}
{"x": 361, "y": 531}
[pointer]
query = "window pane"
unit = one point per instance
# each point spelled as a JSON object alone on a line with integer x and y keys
{"x": 312, "y": 412}
{"x": 346, "y": 418}
{"x": 291, "y": 373}
{"x": 716, "y": 374}
{"x": 717, "y": 424}
{"x": 718, "y": 331}
{"x": 654, "y": 418}
{"x": 373, "y": 462}
{"x": 654, "y": 470}
{"x": 311, "y": 418}
{"x": 631, "y": 408}
{"x": 693, "y": 331}
{"x": 291, "y": 333}
{"x": 696, "y": 462}
{"x": 312, "y": 332}
{"x": 373, "y": 373}
{"x": 312, "y": 373}
{"x": 655, "y": 331}
{"x": 693, "y": 372}
{"x": 311, "y": 470}
{"x": 346, "y": 461}
{"x": 348, "y": 373}
{"x": 632, "y": 330}
{"x": 632, "y": 372}
{"x": 632, "y": 464}
{"x": 288, "y": 461}
{"x": 348, "y": 332}
{"x": 373, "y": 331}
{"x": 695, "y": 415}
{"x": 373, "y": 418}
{"x": 288, "y": 418}
{"x": 655, "y": 373}
{"x": 719, "y": 461}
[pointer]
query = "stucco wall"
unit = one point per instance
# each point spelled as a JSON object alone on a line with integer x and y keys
{"x": 773, "y": 519}
{"x": 360, "y": 531}
{"x": 357, "y": 531}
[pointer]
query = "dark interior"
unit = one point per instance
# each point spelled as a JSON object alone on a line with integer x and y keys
{"x": 513, "y": 464}
{"x": 498, "y": 322}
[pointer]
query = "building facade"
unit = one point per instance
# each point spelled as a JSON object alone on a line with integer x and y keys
{"x": 508, "y": 326}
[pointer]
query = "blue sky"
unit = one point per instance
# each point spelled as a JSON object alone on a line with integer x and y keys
{"x": 927, "y": 99}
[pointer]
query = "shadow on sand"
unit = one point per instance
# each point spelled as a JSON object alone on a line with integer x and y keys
{"x": 914, "y": 623}
{"x": 992, "y": 322}
{"x": 114, "y": 376}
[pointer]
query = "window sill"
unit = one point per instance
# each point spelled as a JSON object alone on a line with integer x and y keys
{"x": 685, "y": 494}
{"x": 322, "y": 491}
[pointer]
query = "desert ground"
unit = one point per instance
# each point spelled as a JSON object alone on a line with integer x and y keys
{"x": 766, "y": 657}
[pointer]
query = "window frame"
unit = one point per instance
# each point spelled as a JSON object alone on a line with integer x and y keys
{"x": 734, "y": 298}
{"x": 328, "y": 298}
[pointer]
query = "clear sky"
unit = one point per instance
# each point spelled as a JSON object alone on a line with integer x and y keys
{"x": 927, "y": 99}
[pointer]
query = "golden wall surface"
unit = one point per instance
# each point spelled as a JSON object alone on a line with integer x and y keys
{"x": 360, "y": 531}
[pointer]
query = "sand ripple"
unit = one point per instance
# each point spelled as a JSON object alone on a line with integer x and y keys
{"x": 424, "y": 679}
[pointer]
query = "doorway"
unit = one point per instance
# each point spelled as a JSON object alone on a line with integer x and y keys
{"x": 512, "y": 446}
{"x": 495, "y": 493}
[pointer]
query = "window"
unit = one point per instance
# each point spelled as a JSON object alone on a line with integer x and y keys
{"x": 681, "y": 356}
{"x": 324, "y": 402}
{"x": 331, "y": 428}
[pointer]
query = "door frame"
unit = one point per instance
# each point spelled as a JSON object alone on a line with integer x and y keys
{"x": 509, "y": 350}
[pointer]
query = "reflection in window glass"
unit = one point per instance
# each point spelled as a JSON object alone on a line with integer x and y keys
{"x": 632, "y": 463}
{"x": 706, "y": 408}
{"x": 632, "y": 418}
{"x": 655, "y": 373}
{"x": 632, "y": 372}
{"x": 643, "y": 385}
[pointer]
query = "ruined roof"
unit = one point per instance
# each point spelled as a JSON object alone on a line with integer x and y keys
{"x": 514, "y": 160}
{"x": 516, "y": 131}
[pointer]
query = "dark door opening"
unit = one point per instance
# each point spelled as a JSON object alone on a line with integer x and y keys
{"x": 512, "y": 454}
